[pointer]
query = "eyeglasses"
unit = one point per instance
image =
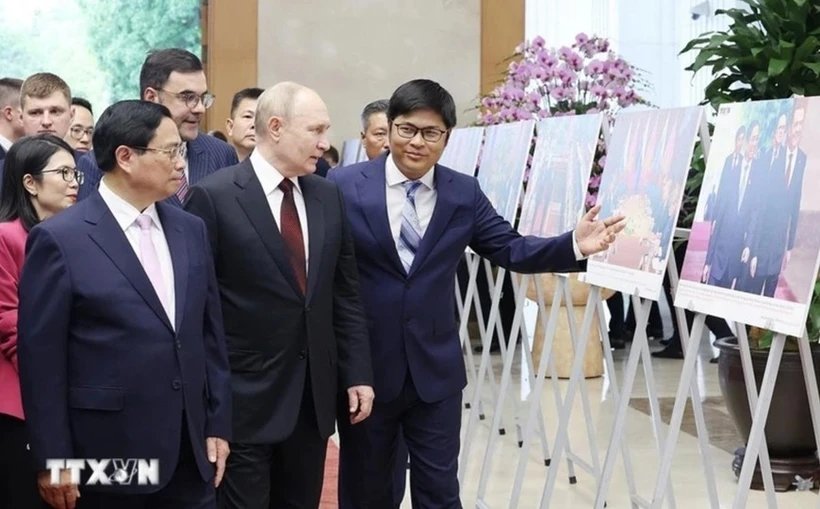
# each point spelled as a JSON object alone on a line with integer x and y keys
{"x": 69, "y": 174}
{"x": 77, "y": 132}
{"x": 191, "y": 99}
{"x": 430, "y": 134}
{"x": 172, "y": 153}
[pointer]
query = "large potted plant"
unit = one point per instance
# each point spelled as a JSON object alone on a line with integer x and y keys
{"x": 541, "y": 82}
{"x": 771, "y": 50}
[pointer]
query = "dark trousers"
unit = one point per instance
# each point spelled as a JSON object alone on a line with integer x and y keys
{"x": 400, "y": 470}
{"x": 368, "y": 453}
{"x": 18, "y": 473}
{"x": 285, "y": 475}
{"x": 185, "y": 490}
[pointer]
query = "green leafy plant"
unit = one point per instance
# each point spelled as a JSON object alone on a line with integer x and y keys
{"x": 771, "y": 50}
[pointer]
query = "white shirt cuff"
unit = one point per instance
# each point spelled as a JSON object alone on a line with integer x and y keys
{"x": 578, "y": 255}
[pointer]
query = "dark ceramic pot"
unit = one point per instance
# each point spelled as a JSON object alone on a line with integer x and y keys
{"x": 789, "y": 432}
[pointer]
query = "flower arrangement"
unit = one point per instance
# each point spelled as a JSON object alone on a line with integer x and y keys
{"x": 542, "y": 82}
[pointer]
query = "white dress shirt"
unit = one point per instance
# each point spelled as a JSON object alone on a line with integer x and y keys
{"x": 270, "y": 178}
{"x": 5, "y": 143}
{"x": 126, "y": 216}
{"x": 425, "y": 201}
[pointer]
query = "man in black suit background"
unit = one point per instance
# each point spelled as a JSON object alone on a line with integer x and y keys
{"x": 293, "y": 316}
{"x": 11, "y": 127}
{"x": 784, "y": 189}
{"x": 176, "y": 79}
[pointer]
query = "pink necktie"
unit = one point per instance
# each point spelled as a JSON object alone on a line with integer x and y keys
{"x": 150, "y": 259}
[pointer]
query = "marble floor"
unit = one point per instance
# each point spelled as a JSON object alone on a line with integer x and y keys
{"x": 688, "y": 478}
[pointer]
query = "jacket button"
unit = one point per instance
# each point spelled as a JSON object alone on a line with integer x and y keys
{"x": 302, "y": 354}
{"x": 177, "y": 384}
{"x": 179, "y": 345}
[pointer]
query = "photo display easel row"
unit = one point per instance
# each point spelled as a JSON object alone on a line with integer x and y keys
{"x": 752, "y": 259}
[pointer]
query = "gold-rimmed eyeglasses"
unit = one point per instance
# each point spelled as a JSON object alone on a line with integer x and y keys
{"x": 171, "y": 153}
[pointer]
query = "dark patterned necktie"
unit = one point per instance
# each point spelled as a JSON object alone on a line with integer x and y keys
{"x": 292, "y": 234}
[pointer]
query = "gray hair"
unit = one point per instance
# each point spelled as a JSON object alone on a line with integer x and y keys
{"x": 371, "y": 109}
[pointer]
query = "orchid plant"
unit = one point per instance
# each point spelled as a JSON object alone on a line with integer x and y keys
{"x": 584, "y": 78}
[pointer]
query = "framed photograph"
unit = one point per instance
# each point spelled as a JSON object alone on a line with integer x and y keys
{"x": 503, "y": 162}
{"x": 463, "y": 149}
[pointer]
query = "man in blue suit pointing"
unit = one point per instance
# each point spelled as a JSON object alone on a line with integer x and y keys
{"x": 411, "y": 220}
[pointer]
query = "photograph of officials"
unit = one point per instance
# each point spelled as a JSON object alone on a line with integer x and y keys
{"x": 646, "y": 168}
{"x": 557, "y": 185}
{"x": 754, "y": 229}
{"x": 503, "y": 162}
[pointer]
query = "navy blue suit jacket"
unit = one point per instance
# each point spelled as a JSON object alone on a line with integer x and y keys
{"x": 206, "y": 155}
{"x": 411, "y": 317}
{"x": 102, "y": 372}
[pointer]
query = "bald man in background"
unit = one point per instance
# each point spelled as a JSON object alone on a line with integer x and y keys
{"x": 11, "y": 126}
{"x": 293, "y": 316}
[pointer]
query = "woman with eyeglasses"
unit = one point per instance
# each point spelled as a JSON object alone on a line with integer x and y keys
{"x": 39, "y": 181}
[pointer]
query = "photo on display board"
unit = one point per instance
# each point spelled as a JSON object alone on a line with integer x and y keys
{"x": 559, "y": 175}
{"x": 753, "y": 250}
{"x": 350, "y": 152}
{"x": 503, "y": 162}
{"x": 462, "y": 150}
{"x": 648, "y": 159}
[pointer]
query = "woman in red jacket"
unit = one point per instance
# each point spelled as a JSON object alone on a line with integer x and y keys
{"x": 39, "y": 180}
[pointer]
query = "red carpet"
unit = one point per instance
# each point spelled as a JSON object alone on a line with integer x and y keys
{"x": 330, "y": 497}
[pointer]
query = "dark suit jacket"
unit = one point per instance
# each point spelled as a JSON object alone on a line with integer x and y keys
{"x": 322, "y": 167}
{"x": 206, "y": 155}
{"x": 274, "y": 333}
{"x": 411, "y": 318}
{"x": 103, "y": 374}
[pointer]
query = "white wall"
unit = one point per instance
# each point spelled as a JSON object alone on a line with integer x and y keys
{"x": 356, "y": 51}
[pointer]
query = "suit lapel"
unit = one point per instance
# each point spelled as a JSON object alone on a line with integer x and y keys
{"x": 316, "y": 232}
{"x": 108, "y": 235}
{"x": 177, "y": 244}
{"x": 254, "y": 203}
{"x": 442, "y": 213}
{"x": 373, "y": 200}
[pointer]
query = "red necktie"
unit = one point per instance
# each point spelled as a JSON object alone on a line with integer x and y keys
{"x": 292, "y": 234}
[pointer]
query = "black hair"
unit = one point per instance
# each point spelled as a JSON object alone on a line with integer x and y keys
{"x": 245, "y": 93}
{"x": 27, "y": 156}
{"x": 79, "y": 101}
{"x": 159, "y": 64}
{"x": 131, "y": 123}
{"x": 423, "y": 94}
{"x": 333, "y": 153}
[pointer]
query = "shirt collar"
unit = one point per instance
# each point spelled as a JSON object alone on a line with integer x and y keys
{"x": 124, "y": 213}
{"x": 268, "y": 175}
{"x": 393, "y": 176}
{"x": 5, "y": 143}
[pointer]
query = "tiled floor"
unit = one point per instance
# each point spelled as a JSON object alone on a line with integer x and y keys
{"x": 688, "y": 479}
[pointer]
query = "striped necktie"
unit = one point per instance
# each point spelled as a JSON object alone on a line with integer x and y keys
{"x": 182, "y": 190}
{"x": 410, "y": 233}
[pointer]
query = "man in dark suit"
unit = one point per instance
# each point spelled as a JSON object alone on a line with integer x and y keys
{"x": 176, "y": 78}
{"x": 784, "y": 184}
{"x": 121, "y": 347}
{"x": 290, "y": 295}
{"x": 11, "y": 126}
{"x": 727, "y": 233}
{"x": 411, "y": 220}
{"x": 45, "y": 107}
